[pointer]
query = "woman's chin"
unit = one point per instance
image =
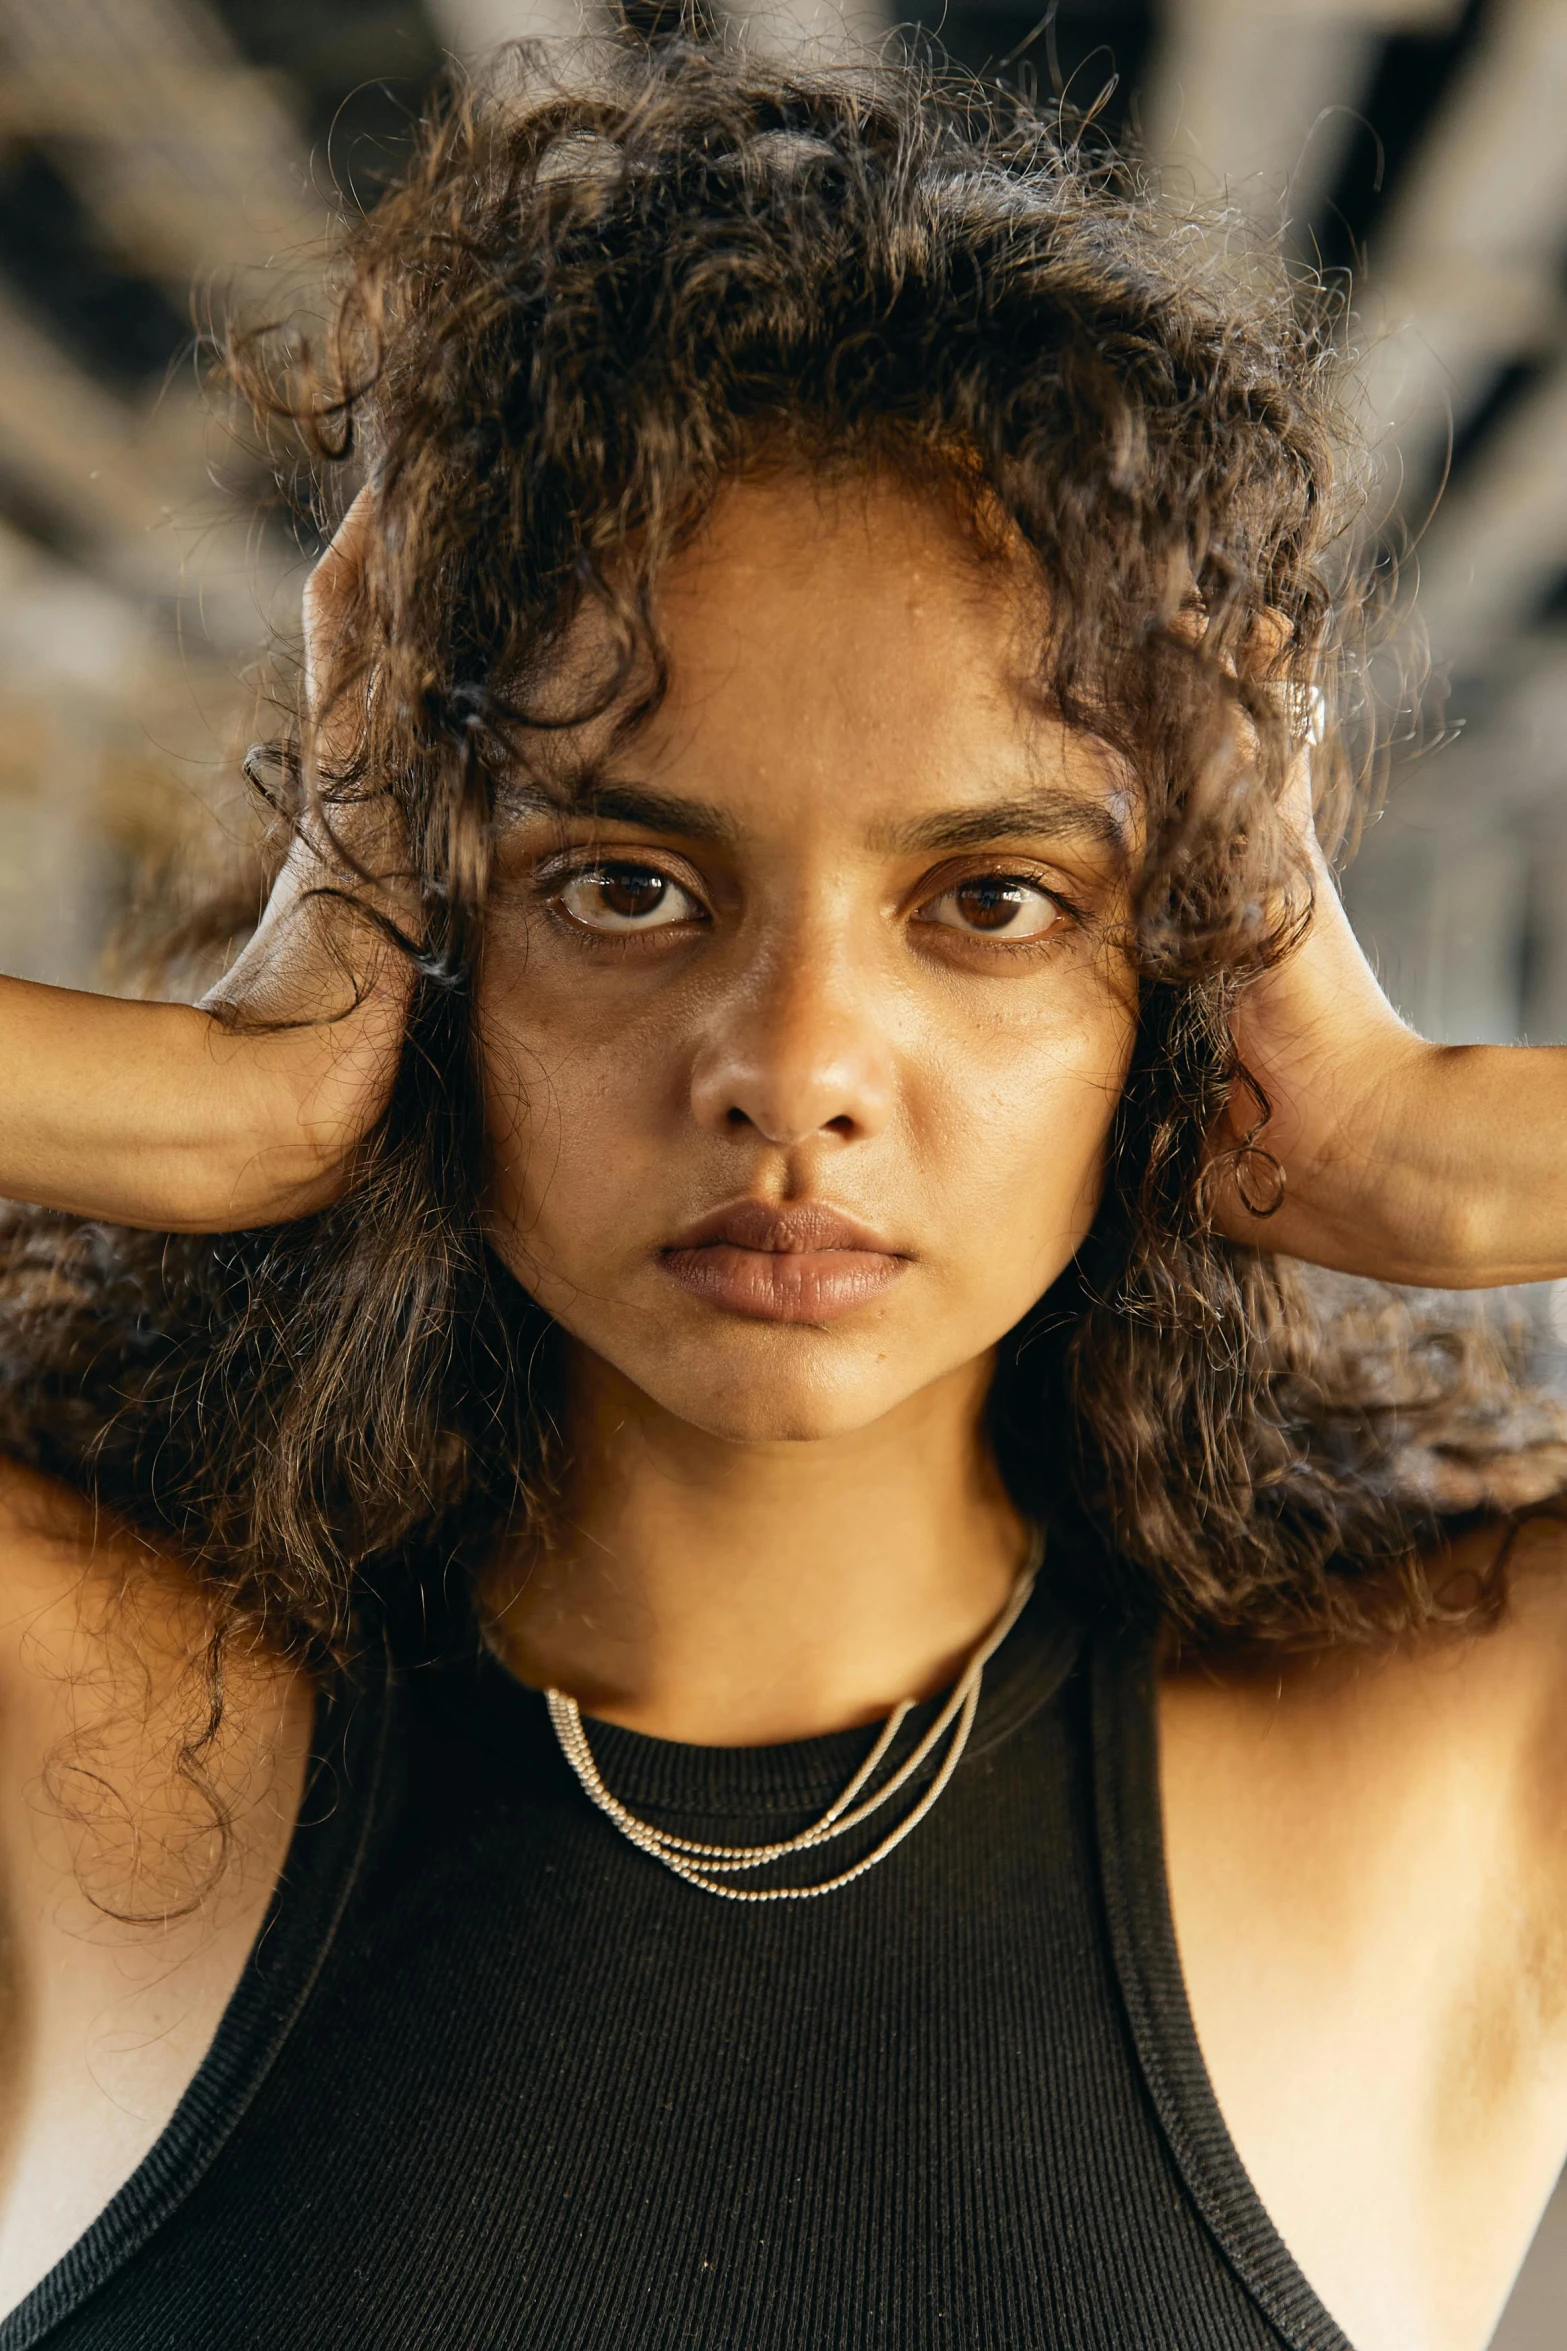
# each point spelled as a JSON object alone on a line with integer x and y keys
{"x": 778, "y": 1426}
{"x": 767, "y": 1417}
{"x": 790, "y": 1402}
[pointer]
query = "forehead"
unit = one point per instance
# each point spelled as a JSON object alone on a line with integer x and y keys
{"x": 845, "y": 651}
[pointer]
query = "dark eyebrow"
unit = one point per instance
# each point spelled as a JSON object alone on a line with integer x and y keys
{"x": 590, "y": 795}
{"x": 1049, "y": 813}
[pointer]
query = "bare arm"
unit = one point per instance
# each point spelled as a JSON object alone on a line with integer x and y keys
{"x": 244, "y": 1110}
{"x": 1404, "y": 1160}
{"x": 158, "y": 1115}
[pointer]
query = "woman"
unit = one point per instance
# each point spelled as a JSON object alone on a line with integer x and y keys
{"x": 734, "y": 1189}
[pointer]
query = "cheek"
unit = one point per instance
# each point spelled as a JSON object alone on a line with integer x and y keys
{"x": 1019, "y": 1138}
{"x": 572, "y": 1115}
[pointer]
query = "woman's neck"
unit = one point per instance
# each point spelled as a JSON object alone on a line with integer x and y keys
{"x": 737, "y": 1594}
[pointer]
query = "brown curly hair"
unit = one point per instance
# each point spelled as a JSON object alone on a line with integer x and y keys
{"x": 594, "y": 299}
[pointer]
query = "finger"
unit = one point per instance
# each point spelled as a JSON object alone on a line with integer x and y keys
{"x": 314, "y": 951}
{"x": 313, "y": 956}
{"x": 334, "y": 627}
{"x": 358, "y": 837}
{"x": 332, "y": 588}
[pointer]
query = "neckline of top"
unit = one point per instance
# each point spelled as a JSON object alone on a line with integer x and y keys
{"x": 680, "y": 1778}
{"x": 1128, "y": 1799}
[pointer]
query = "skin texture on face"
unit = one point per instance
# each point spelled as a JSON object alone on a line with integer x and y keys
{"x": 836, "y": 930}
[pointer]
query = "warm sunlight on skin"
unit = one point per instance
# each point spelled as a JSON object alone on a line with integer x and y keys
{"x": 834, "y": 935}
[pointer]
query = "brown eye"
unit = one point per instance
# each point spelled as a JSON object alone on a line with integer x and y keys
{"x": 621, "y": 898}
{"x": 996, "y": 905}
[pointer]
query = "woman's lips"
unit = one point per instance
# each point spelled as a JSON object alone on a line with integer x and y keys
{"x": 803, "y": 1263}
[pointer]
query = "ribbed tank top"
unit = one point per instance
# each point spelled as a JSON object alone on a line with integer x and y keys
{"x": 494, "y": 2078}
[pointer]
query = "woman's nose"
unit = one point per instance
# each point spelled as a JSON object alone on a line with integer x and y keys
{"x": 797, "y": 1051}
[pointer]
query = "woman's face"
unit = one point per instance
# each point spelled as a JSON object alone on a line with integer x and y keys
{"x": 803, "y": 1011}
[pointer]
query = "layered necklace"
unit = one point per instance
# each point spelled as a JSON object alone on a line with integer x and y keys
{"x": 710, "y": 1867}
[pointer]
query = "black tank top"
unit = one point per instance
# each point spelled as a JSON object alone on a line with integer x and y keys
{"x": 494, "y": 2078}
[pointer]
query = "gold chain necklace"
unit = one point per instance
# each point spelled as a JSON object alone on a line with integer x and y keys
{"x": 706, "y": 1866}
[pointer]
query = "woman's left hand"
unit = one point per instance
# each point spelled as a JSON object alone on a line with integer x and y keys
{"x": 1402, "y": 1160}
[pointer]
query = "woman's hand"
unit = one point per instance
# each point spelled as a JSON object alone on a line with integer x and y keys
{"x": 1402, "y": 1160}
{"x": 246, "y": 1109}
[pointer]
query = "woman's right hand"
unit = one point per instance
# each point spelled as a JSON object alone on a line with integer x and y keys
{"x": 248, "y": 1108}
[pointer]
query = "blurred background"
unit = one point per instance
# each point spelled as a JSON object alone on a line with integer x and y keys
{"x": 160, "y": 154}
{"x": 160, "y": 157}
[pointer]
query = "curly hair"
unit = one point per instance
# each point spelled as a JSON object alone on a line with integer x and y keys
{"x": 593, "y": 300}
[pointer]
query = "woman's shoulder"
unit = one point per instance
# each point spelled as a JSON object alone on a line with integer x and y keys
{"x": 119, "y": 1671}
{"x": 67, "y": 1558}
{"x": 1323, "y": 1734}
{"x": 1366, "y": 1851}
{"x": 1492, "y": 1658}
{"x": 148, "y": 1792}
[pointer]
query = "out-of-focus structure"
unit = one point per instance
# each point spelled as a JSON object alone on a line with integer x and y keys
{"x": 153, "y": 147}
{"x": 157, "y": 158}
{"x": 1420, "y": 140}
{"x": 152, "y": 150}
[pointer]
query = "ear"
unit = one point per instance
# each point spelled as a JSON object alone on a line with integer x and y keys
{"x": 1265, "y": 649}
{"x": 1189, "y": 621}
{"x": 1270, "y": 654}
